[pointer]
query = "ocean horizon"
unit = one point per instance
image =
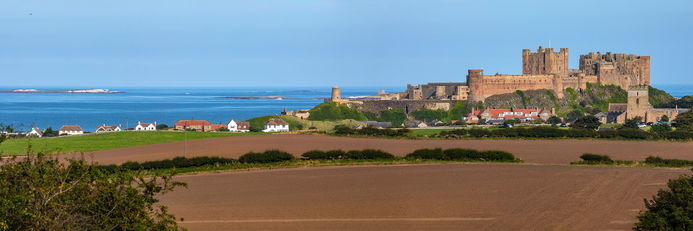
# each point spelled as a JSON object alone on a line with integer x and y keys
{"x": 166, "y": 105}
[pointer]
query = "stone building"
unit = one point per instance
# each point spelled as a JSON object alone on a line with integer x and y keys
{"x": 639, "y": 105}
{"x": 547, "y": 69}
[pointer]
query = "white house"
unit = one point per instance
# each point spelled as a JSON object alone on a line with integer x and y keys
{"x": 234, "y": 126}
{"x": 35, "y": 132}
{"x": 105, "y": 128}
{"x": 145, "y": 126}
{"x": 70, "y": 130}
{"x": 276, "y": 125}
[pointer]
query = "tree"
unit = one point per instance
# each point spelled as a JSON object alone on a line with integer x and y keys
{"x": 40, "y": 193}
{"x": 335, "y": 111}
{"x": 684, "y": 120}
{"x": 586, "y": 122}
{"x": 554, "y": 120}
{"x": 223, "y": 129}
{"x": 395, "y": 116}
{"x": 632, "y": 123}
{"x": 50, "y": 132}
{"x": 161, "y": 126}
{"x": 670, "y": 209}
{"x": 665, "y": 118}
{"x": 428, "y": 115}
{"x": 660, "y": 128}
{"x": 574, "y": 115}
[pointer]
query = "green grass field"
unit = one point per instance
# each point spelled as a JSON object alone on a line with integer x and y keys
{"x": 96, "y": 142}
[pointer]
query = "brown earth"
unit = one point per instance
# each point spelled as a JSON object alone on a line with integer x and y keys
{"x": 531, "y": 151}
{"x": 418, "y": 197}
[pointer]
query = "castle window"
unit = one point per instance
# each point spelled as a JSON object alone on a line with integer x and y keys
{"x": 637, "y": 101}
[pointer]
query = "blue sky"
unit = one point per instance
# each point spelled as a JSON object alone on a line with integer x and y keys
{"x": 223, "y": 43}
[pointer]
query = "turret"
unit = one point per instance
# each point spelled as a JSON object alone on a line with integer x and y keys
{"x": 336, "y": 94}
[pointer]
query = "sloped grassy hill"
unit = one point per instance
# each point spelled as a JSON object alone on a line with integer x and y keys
{"x": 596, "y": 98}
{"x": 258, "y": 123}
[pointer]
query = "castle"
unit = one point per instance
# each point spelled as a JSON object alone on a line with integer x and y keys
{"x": 543, "y": 69}
{"x": 639, "y": 106}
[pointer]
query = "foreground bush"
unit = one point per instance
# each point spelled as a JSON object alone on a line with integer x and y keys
{"x": 371, "y": 131}
{"x": 178, "y": 162}
{"x": 554, "y": 132}
{"x": 38, "y": 193}
{"x": 658, "y": 161}
{"x": 596, "y": 158}
{"x": 265, "y": 157}
{"x": 670, "y": 209}
{"x": 367, "y": 154}
{"x": 460, "y": 154}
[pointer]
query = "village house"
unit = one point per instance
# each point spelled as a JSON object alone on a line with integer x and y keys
{"x": 35, "y": 132}
{"x": 234, "y": 126}
{"x": 197, "y": 125}
{"x": 104, "y": 128}
{"x": 507, "y": 114}
{"x": 70, "y": 130}
{"x": 276, "y": 125}
{"x": 145, "y": 126}
{"x": 216, "y": 127}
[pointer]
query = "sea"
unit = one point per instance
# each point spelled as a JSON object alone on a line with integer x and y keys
{"x": 161, "y": 105}
{"x": 166, "y": 105}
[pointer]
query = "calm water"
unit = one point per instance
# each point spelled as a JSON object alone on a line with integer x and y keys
{"x": 161, "y": 105}
{"x": 168, "y": 105}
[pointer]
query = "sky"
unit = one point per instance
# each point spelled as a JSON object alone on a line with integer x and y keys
{"x": 282, "y": 43}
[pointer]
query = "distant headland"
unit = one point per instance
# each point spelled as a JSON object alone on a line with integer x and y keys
{"x": 89, "y": 91}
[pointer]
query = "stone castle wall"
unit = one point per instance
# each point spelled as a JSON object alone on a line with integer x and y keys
{"x": 623, "y": 70}
{"x": 407, "y": 106}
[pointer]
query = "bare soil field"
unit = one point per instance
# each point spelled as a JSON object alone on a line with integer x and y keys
{"x": 531, "y": 151}
{"x": 418, "y": 197}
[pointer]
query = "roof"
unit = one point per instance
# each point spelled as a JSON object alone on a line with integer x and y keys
{"x": 146, "y": 124}
{"x": 618, "y": 107}
{"x": 192, "y": 123}
{"x": 243, "y": 125}
{"x": 276, "y": 121}
{"x": 37, "y": 130}
{"x": 217, "y": 126}
{"x": 75, "y": 128}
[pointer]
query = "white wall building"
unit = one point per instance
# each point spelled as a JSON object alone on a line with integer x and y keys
{"x": 35, "y": 132}
{"x": 145, "y": 126}
{"x": 276, "y": 125}
{"x": 105, "y": 128}
{"x": 70, "y": 130}
{"x": 239, "y": 126}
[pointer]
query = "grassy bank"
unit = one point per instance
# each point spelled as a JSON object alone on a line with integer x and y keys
{"x": 96, "y": 142}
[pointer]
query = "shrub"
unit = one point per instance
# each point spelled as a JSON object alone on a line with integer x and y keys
{"x": 177, "y": 162}
{"x": 322, "y": 155}
{"x": 607, "y": 134}
{"x": 334, "y": 111}
{"x": 658, "y": 161}
{"x": 496, "y": 155}
{"x": 477, "y": 132}
{"x": 670, "y": 209}
{"x": 596, "y": 158}
{"x": 679, "y": 135}
{"x": 265, "y": 157}
{"x": 427, "y": 154}
{"x": 630, "y": 133}
{"x": 368, "y": 154}
{"x": 461, "y": 154}
{"x": 586, "y": 122}
{"x": 660, "y": 128}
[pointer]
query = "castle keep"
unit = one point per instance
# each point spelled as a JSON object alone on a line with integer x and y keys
{"x": 543, "y": 69}
{"x": 547, "y": 69}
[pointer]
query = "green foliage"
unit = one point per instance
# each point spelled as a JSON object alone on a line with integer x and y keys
{"x": 268, "y": 156}
{"x": 554, "y": 120}
{"x": 161, "y": 126}
{"x": 367, "y": 154}
{"x": 633, "y": 133}
{"x": 661, "y": 162}
{"x": 523, "y": 98}
{"x": 632, "y": 123}
{"x": 665, "y": 118}
{"x": 371, "y": 131}
{"x": 596, "y": 158}
{"x": 554, "y": 99}
{"x": 670, "y": 209}
{"x": 684, "y": 120}
{"x": 660, "y": 128}
{"x": 554, "y": 132}
{"x": 334, "y": 111}
{"x": 572, "y": 95}
{"x": 602, "y": 95}
{"x": 428, "y": 115}
{"x": 394, "y": 115}
{"x": 574, "y": 115}
{"x": 658, "y": 97}
{"x": 586, "y": 122}
{"x": 39, "y": 193}
{"x": 457, "y": 111}
{"x": 49, "y": 132}
{"x": 460, "y": 154}
{"x": 177, "y": 162}
{"x": 371, "y": 116}
{"x": 683, "y": 102}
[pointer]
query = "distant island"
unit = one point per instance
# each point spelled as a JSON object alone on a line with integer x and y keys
{"x": 89, "y": 91}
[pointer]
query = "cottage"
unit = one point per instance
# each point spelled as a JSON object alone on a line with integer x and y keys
{"x": 145, "y": 126}
{"x": 276, "y": 125}
{"x": 234, "y": 126}
{"x": 105, "y": 128}
{"x": 70, "y": 130}
{"x": 197, "y": 125}
{"x": 35, "y": 132}
{"x": 507, "y": 114}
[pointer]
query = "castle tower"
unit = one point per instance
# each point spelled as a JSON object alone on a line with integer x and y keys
{"x": 545, "y": 61}
{"x": 336, "y": 94}
{"x": 475, "y": 84}
{"x": 638, "y": 102}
